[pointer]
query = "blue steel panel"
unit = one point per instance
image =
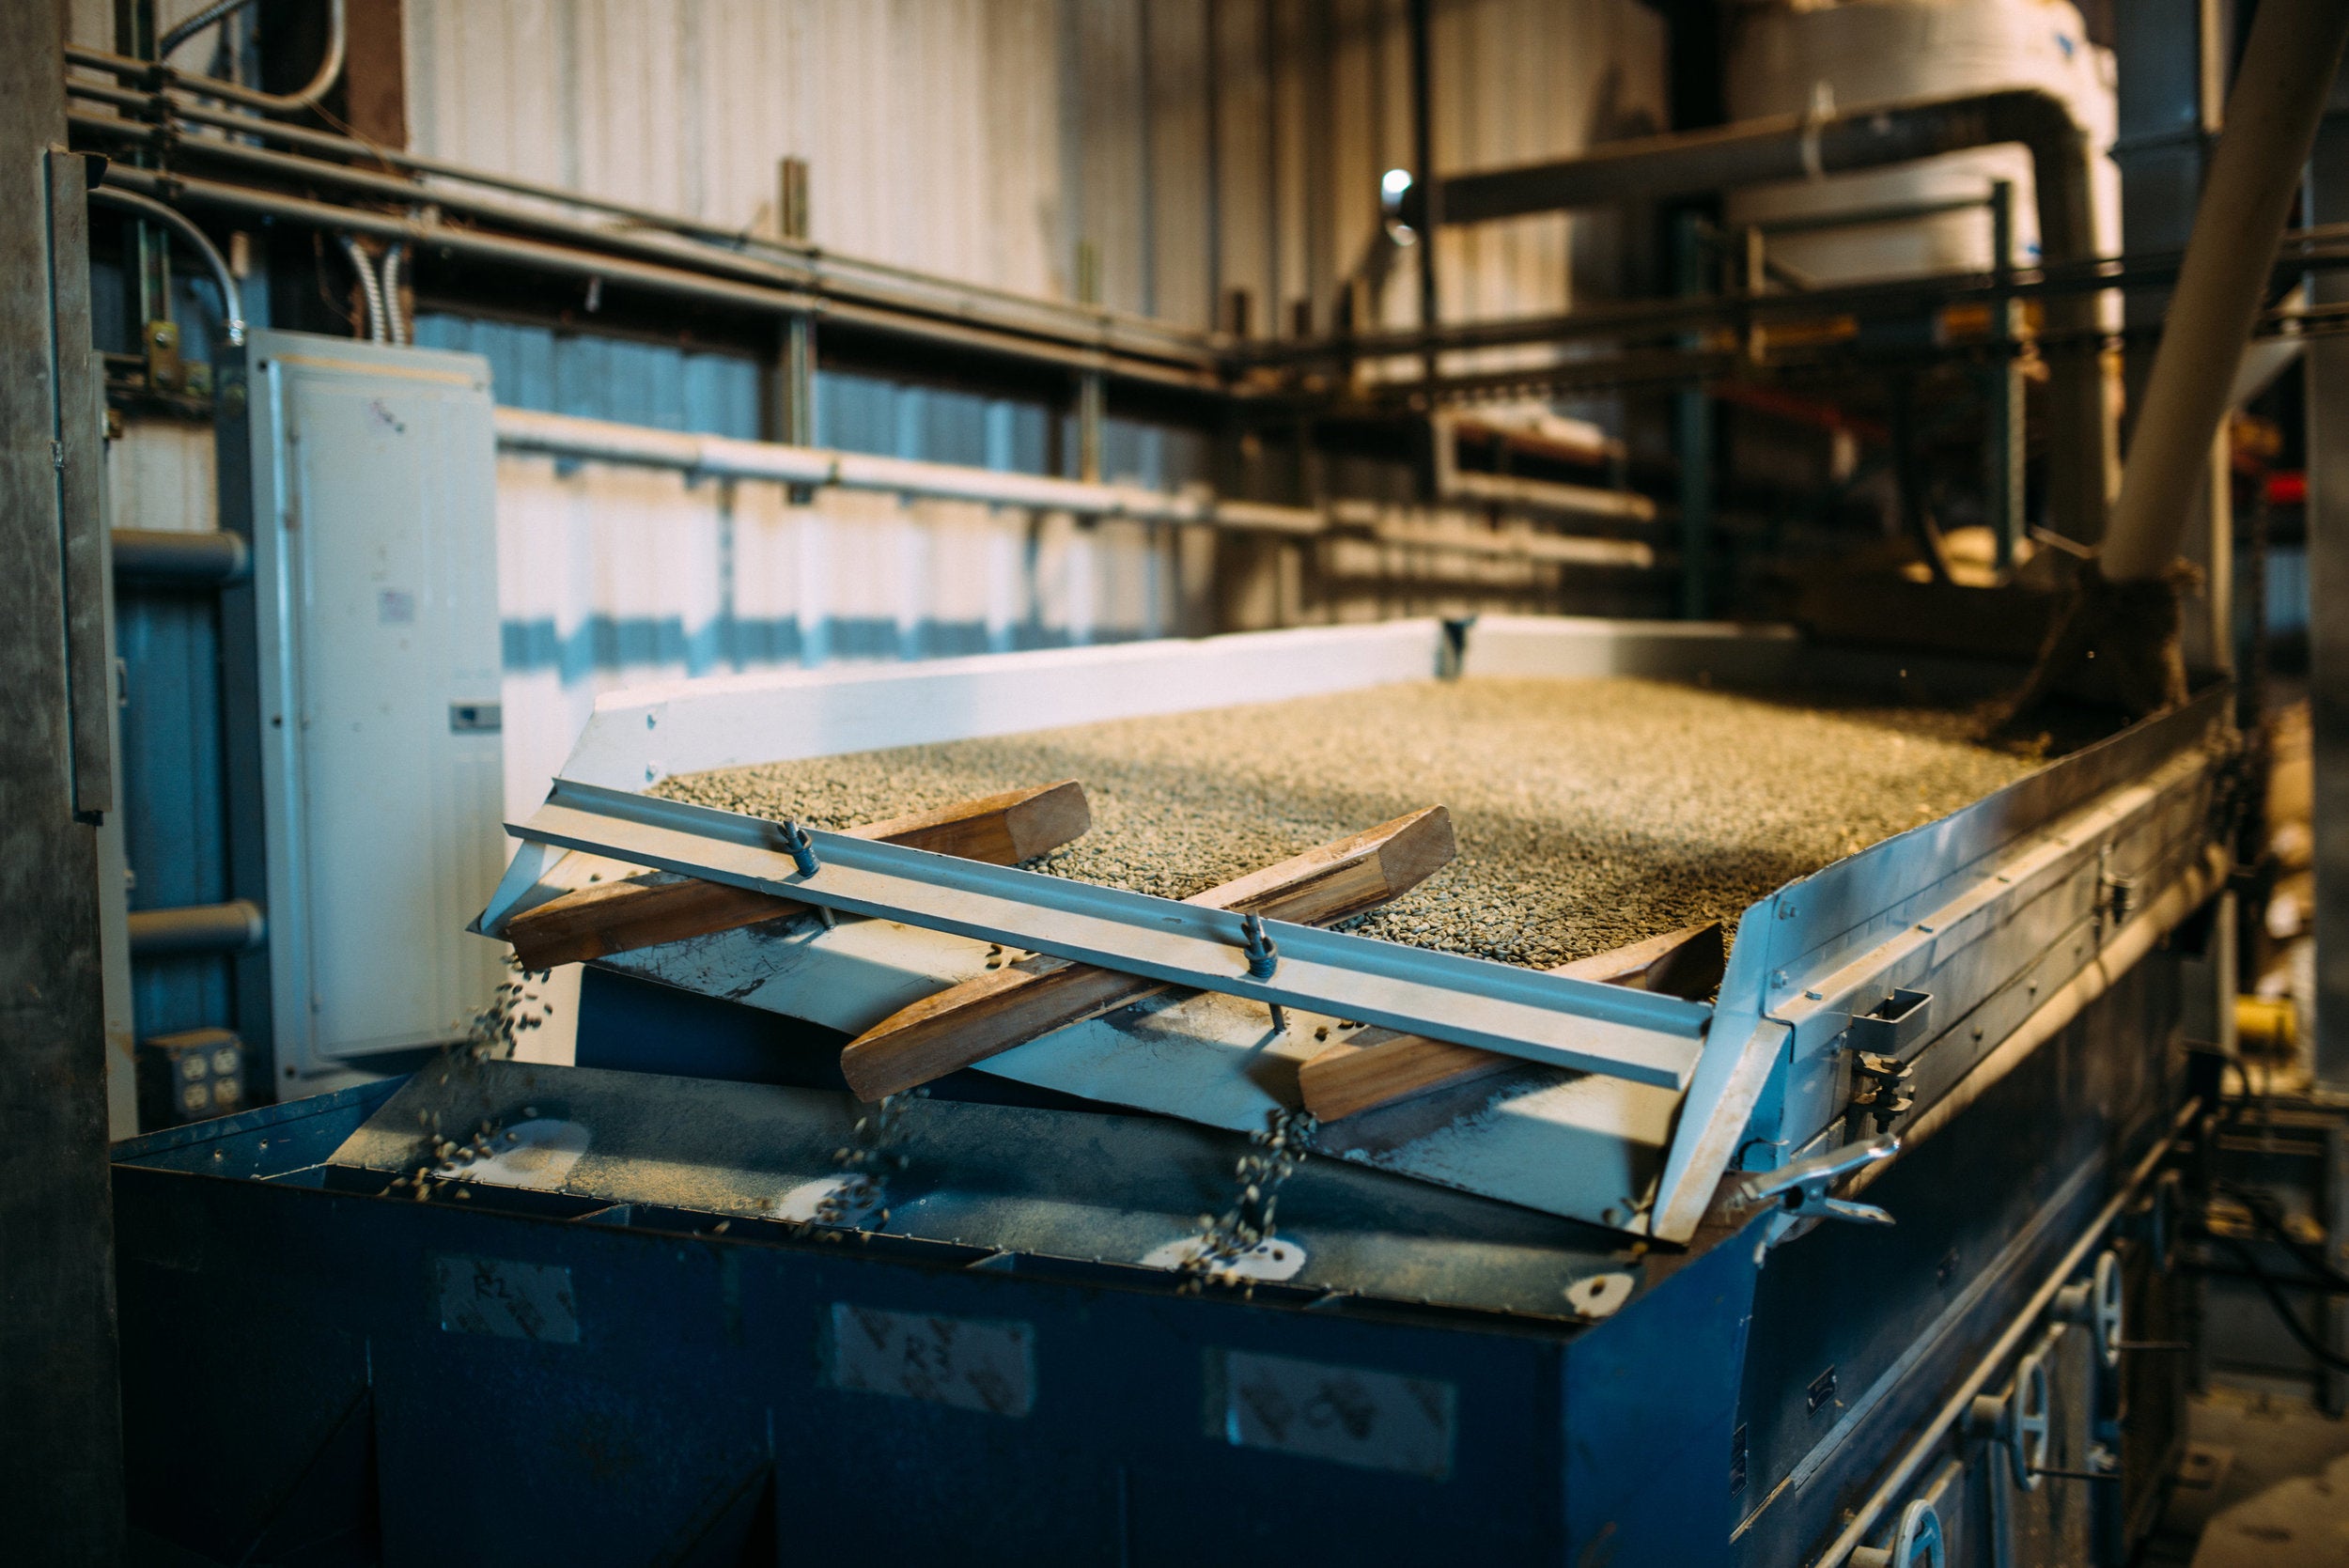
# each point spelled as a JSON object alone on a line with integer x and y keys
{"x": 172, "y": 774}
{"x": 1650, "y": 1406}
{"x": 695, "y": 1376}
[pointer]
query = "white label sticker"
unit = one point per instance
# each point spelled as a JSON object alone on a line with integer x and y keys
{"x": 1381, "y": 1421}
{"x": 506, "y": 1300}
{"x": 1272, "y": 1261}
{"x": 970, "y": 1363}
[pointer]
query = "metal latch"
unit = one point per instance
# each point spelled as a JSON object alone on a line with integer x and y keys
{"x": 1800, "y": 1190}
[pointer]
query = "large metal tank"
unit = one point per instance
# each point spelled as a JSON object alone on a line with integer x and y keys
{"x": 1790, "y": 58}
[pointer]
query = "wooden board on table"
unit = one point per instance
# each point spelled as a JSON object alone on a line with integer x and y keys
{"x": 1035, "y": 996}
{"x": 1380, "y": 1066}
{"x": 660, "y": 906}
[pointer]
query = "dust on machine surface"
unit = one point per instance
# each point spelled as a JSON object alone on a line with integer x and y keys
{"x": 1589, "y": 813}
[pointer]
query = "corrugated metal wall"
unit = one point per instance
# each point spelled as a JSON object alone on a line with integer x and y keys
{"x": 1196, "y": 145}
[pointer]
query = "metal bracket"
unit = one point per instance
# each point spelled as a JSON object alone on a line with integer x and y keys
{"x": 1800, "y": 1189}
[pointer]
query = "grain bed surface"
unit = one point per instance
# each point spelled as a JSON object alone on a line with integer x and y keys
{"x": 1589, "y": 813}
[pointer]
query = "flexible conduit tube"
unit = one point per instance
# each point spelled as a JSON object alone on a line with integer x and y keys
{"x": 330, "y": 70}
{"x": 198, "y": 24}
{"x": 232, "y": 319}
{"x": 395, "y": 323}
{"x": 369, "y": 288}
{"x": 1962, "y": 1398}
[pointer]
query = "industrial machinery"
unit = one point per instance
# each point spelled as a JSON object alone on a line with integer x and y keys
{"x": 1862, "y": 1259}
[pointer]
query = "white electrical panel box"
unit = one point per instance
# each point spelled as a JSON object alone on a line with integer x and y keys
{"x": 373, "y": 473}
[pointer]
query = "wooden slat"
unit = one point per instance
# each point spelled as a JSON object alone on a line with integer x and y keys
{"x": 1380, "y": 1066}
{"x": 1033, "y": 997}
{"x": 658, "y": 906}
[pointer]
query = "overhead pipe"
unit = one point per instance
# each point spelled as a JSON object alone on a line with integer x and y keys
{"x": 2127, "y": 606}
{"x": 684, "y": 280}
{"x": 1815, "y": 144}
{"x": 232, "y": 315}
{"x": 157, "y": 73}
{"x": 642, "y": 229}
{"x": 722, "y": 456}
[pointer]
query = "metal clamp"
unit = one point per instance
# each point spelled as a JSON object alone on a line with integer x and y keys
{"x": 801, "y": 849}
{"x": 1264, "y": 957}
{"x": 1882, "y": 1087}
{"x": 1800, "y": 1189}
{"x": 2095, "y": 1303}
{"x": 1917, "y": 1541}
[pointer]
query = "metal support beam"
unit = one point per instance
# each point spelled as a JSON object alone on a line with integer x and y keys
{"x": 1580, "y": 1024}
{"x": 2002, "y": 402}
{"x": 60, "y": 1493}
{"x": 1692, "y": 439}
{"x": 2328, "y": 634}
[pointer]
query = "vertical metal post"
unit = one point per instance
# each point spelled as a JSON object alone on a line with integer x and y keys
{"x": 2332, "y": 1383}
{"x": 799, "y": 379}
{"x": 61, "y": 1493}
{"x": 2328, "y": 634}
{"x": 2002, "y": 403}
{"x": 1692, "y": 440}
{"x": 1092, "y": 408}
{"x": 1424, "y": 170}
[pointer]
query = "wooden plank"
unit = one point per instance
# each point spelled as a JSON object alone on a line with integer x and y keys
{"x": 660, "y": 906}
{"x": 1033, "y": 995}
{"x": 1378, "y": 1066}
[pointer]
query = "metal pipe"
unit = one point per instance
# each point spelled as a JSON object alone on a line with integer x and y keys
{"x": 2271, "y": 121}
{"x": 1433, "y": 209}
{"x": 1792, "y": 147}
{"x": 807, "y": 467}
{"x": 880, "y": 282}
{"x": 564, "y": 436}
{"x": 206, "y": 18}
{"x": 369, "y": 288}
{"x": 236, "y": 926}
{"x": 210, "y": 557}
{"x": 395, "y": 321}
{"x": 330, "y": 69}
{"x": 233, "y": 317}
{"x": 1953, "y": 1408}
{"x": 424, "y": 233}
{"x": 1810, "y": 145}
